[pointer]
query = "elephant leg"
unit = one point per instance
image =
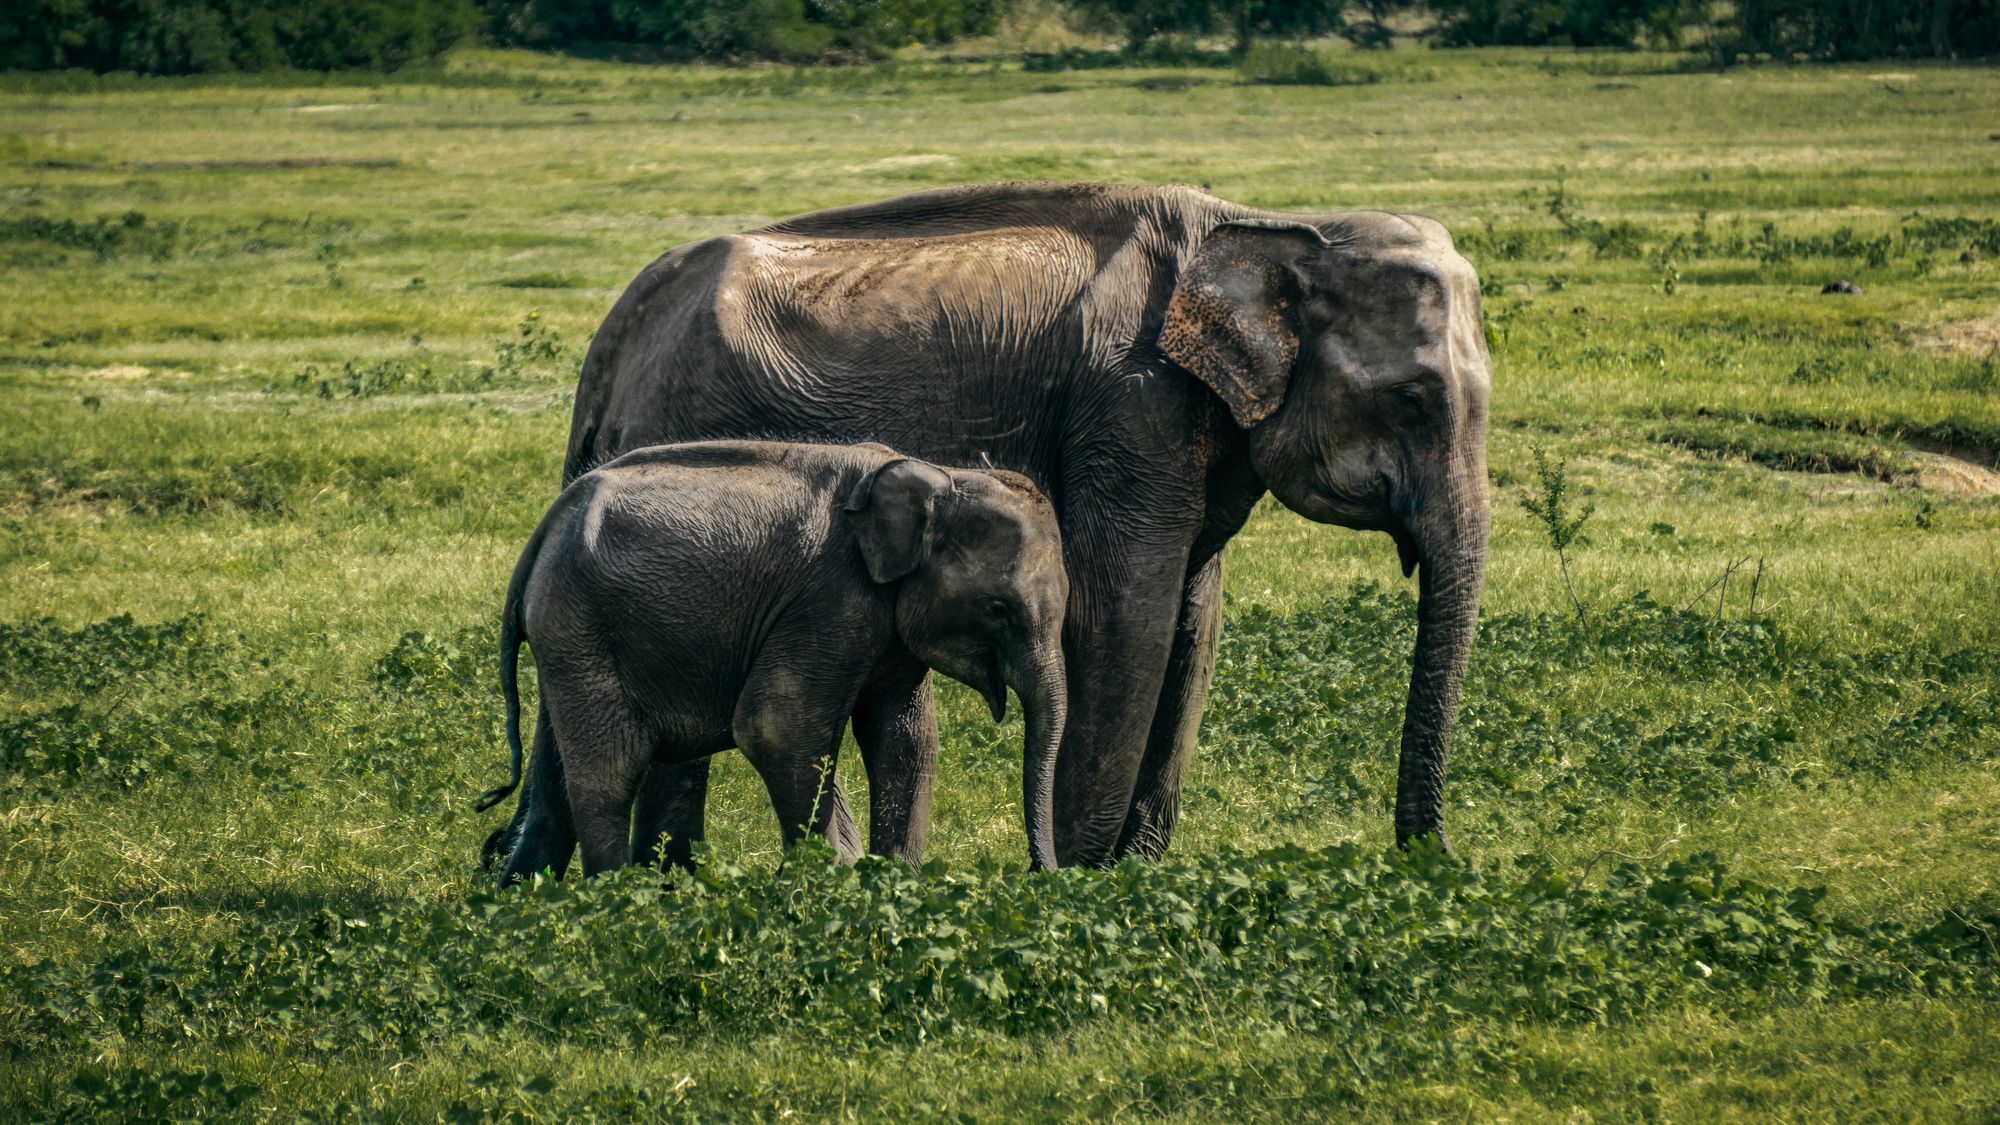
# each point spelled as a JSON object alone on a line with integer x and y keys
{"x": 1156, "y": 801}
{"x": 544, "y": 839}
{"x": 837, "y": 820}
{"x": 675, "y": 794}
{"x": 605, "y": 753}
{"x": 896, "y": 728}
{"x": 1124, "y": 598}
{"x": 673, "y": 803}
{"x": 806, "y": 798}
{"x": 544, "y": 773}
{"x": 788, "y": 724}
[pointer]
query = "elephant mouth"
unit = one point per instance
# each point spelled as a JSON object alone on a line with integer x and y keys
{"x": 995, "y": 691}
{"x": 1406, "y": 549}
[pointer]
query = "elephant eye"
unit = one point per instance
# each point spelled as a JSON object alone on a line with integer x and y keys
{"x": 995, "y": 607}
{"x": 1409, "y": 396}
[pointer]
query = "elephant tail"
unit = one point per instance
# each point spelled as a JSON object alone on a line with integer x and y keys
{"x": 511, "y": 636}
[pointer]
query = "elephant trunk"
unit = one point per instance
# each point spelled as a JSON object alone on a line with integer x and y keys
{"x": 1044, "y": 692}
{"x": 1451, "y": 547}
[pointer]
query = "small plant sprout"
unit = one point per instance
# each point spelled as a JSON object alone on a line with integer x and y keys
{"x": 1558, "y": 202}
{"x": 1552, "y": 508}
{"x": 538, "y": 344}
{"x": 329, "y": 255}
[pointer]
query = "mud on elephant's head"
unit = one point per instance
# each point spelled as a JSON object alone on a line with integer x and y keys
{"x": 976, "y": 558}
{"x": 1352, "y": 352}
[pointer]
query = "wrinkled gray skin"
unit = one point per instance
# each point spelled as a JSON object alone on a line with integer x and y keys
{"x": 686, "y": 599}
{"x": 1155, "y": 359}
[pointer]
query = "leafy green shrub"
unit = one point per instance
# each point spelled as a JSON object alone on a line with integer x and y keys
{"x": 51, "y": 748}
{"x": 1954, "y": 233}
{"x": 1563, "y": 524}
{"x": 536, "y": 347}
{"x": 1393, "y": 952}
{"x": 466, "y": 664}
{"x": 174, "y": 1095}
{"x": 105, "y": 236}
{"x": 535, "y": 343}
{"x": 98, "y": 721}
{"x": 1321, "y": 691}
{"x": 157, "y": 487}
{"x": 1490, "y": 243}
{"x": 133, "y": 234}
{"x": 362, "y": 379}
{"x": 1772, "y": 247}
{"x": 1390, "y": 949}
{"x": 42, "y": 656}
{"x": 1973, "y": 437}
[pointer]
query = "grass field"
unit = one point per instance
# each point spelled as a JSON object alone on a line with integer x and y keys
{"x": 284, "y": 379}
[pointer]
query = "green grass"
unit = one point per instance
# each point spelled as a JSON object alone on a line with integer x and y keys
{"x": 284, "y": 376}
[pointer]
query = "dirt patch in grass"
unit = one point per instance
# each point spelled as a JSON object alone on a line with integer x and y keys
{"x": 898, "y": 163}
{"x": 1942, "y": 472}
{"x": 1788, "y": 450}
{"x": 1938, "y": 468}
{"x": 259, "y": 165}
{"x": 541, "y": 281}
{"x": 1977, "y": 336}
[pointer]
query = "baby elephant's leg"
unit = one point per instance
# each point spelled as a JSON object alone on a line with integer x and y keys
{"x": 896, "y": 726}
{"x": 805, "y": 798}
{"x": 673, "y": 804}
{"x": 547, "y": 841}
{"x": 605, "y": 754}
{"x": 673, "y": 797}
{"x": 790, "y": 732}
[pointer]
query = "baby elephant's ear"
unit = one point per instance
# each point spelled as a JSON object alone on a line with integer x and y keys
{"x": 894, "y": 510}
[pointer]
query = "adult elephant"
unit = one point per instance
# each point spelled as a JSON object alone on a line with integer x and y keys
{"x": 1155, "y": 359}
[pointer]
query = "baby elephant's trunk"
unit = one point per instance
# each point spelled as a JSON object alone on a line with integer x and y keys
{"x": 1044, "y": 696}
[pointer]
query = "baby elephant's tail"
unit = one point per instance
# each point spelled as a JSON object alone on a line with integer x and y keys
{"x": 510, "y": 663}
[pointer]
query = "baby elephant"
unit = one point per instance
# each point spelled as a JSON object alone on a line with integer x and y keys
{"x": 685, "y": 599}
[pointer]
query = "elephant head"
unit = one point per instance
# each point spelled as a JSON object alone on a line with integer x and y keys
{"x": 977, "y": 561}
{"x": 1352, "y": 353}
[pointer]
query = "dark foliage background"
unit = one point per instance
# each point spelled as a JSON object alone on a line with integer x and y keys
{"x": 799, "y": 30}
{"x": 209, "y": 36}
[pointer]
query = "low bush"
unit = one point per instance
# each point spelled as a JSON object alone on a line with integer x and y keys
{"x": 734, "y": 29}
{"x": 1391, "y": 949}
{"x": 1914, "y": 240}
{"x": 41, "y": 657}
{"x": 1324, "y": 689}
{"x": 1273, "y": 64}
{"x": 1395, "y": 954}
{"x": 535, "y": 350}
{"x": 1167, "y": 52}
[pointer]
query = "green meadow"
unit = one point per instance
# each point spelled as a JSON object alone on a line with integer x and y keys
{"x": 285, "y": 367}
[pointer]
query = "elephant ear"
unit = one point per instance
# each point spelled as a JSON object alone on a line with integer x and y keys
{"x": 894, "y": 511}
{"x": 1233, "y": 320}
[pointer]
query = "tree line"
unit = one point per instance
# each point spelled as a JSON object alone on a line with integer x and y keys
{"x": 205, "y": 36}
